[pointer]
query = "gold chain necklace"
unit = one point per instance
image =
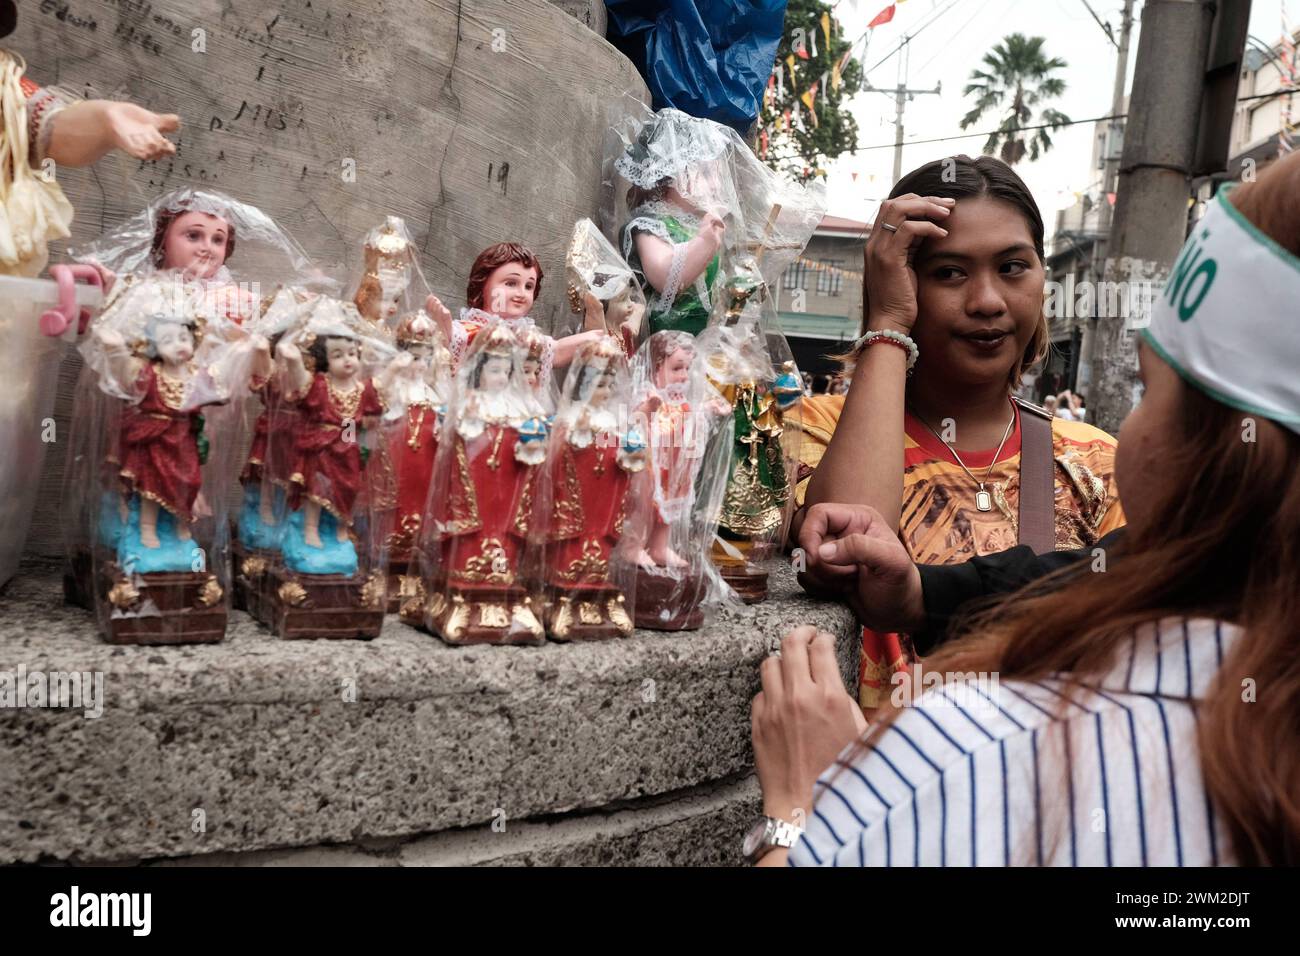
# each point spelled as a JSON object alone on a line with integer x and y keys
{"x": 983, "y": 500}
{"x": 346, "y": 402}
{"x": 172, "y": 390}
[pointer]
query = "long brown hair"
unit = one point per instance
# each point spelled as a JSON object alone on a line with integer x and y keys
{"x": 960, "y": 177}
{"x": 493, "y": 258}
{"x": 1221, "y": 541}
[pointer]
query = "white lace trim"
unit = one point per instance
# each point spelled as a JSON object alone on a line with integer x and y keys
{"x": 674, "y": 281}
{"x": 694, "y": 141}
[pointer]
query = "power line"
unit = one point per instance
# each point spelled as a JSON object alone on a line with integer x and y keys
{"x": 1024, "y": 129}
{"x": 906, "y": 37}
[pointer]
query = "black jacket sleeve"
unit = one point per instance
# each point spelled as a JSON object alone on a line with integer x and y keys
{"x": 947, "y": 588}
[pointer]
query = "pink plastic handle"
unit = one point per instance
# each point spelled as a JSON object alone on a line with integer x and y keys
{"x": 55, "y": 321}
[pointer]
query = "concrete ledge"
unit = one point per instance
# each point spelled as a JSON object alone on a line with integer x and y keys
{"x": 699, "y": 827}
{"x": 254, "y": 737}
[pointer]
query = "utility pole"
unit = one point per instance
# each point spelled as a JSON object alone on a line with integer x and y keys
{"x": 1116, "y": 124}
{"x": 1173, "y": 119}
{"x": 1110, "y": 175}
{"x": 901, "y": 95}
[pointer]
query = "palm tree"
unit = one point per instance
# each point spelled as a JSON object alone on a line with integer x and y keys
{"x": 1017, "y": 70}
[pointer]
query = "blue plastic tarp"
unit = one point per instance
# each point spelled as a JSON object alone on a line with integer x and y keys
{"x": 708, "y": 58}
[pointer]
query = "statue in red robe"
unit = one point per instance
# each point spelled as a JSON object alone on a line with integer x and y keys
{"x": 482, "y": 500}
{"x": 589, "y": 468}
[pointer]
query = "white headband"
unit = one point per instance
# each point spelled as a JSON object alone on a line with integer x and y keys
{"x": 1228, "y": 319}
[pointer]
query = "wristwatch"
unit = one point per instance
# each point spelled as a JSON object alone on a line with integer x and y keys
{"x": 768, "y": 834}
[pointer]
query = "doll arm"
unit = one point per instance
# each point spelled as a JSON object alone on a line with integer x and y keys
{"x": 567, "y": 347}
{"x": 263, "y": 365}
{"x": 85, "y": 132}
{"x": 122, "y": 367}
{"x": 384, "y": 382}
{"x": 441, "y": 316}
{"x": 662, "y": 261}
{"x": 296, "y": 377}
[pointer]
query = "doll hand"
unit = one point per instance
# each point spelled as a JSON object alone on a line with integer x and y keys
{"x": 289, "y": 352}
{"x": 106, "y": 276}
{"x": 440, "y": 314}
{"x": 139, "y": 132}
{"x": 712, "y": 228}
{"x": 594, "y": 313}
{"x": 651, "y": 404}
{"x": 110, "y": 339}
{"x": 261, "y": 344}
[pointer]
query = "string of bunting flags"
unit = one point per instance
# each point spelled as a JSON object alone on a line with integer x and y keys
{"x": 789, "y": 120}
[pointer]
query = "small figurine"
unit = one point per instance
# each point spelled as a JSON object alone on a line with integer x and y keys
{"x": 481, "y": 502}
{"x": 755, "y": 509}
{"x": 686, "y": 419}
{"x": 603, "y": 286}
{"x": 161, "y": 584}
{"x": 678, "y": 200}
{"x": 589, "y": 468}
{"x": 503, "y": 285}
{"x": 333, "y": 582}
{"x": 423, "y": 389}
{"x": 256, "y": 544}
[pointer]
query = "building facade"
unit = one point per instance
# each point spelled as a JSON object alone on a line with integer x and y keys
{"x": 819, "y": 298}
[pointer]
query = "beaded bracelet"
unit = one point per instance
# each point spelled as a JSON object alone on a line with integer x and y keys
{"x": 889, "y": 336}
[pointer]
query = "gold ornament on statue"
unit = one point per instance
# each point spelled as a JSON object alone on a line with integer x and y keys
{"x": 388, "y": 257}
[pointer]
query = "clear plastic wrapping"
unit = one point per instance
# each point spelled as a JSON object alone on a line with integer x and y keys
{"x": 331, "y": 451}
{"x": 689, "y": 436}
{"x": 684, "y": 196}
{"x": 603, "y": 288}
{"x": 392, "y": 290}
{"x": 750, "y": 363}
{"x": 476, "y": 530}
{"x": 233, "y": 249}
{"x": 168, "y": 378}
{"x": 584, "y": 518}
{"x": 267, "y": 431}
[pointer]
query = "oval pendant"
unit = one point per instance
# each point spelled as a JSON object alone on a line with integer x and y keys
{"x": 983, "y": 500}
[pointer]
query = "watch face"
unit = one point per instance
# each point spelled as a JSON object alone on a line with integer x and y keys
{"x": 754, "y": 838}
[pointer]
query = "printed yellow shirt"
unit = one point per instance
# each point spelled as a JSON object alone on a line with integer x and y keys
{"x": 940, "y": 524}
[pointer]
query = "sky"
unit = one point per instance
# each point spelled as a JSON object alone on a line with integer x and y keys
{"x": 946, "y": 51}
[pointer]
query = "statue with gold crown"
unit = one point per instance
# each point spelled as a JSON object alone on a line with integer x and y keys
{"x": 585, "y": 497}
{"x": 476, "y": 526}
{"x": 755, "y": 512}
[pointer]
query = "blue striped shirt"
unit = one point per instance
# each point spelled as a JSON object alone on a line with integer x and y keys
{"x": 1049, "y": 772}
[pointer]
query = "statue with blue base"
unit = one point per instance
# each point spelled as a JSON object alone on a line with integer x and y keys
{"x": 342, "y": 489}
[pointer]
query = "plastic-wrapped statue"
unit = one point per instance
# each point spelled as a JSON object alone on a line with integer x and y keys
{"x": 481, "y": 501}
{"x": 503, "y": 284}
{"x": 423, "y": 387}
{"x": 689, "y": 430}
{"x": 337, "y": 369}
{"x": 264, "y": 477}
{"x": 756, "y": 507}
{"x": 194, "y": 233}
{"x": 604, "y": 287}
{"x": 585, "y": 495}
{"x": 160, "y": 362}
{"x": 680, "y": 202}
